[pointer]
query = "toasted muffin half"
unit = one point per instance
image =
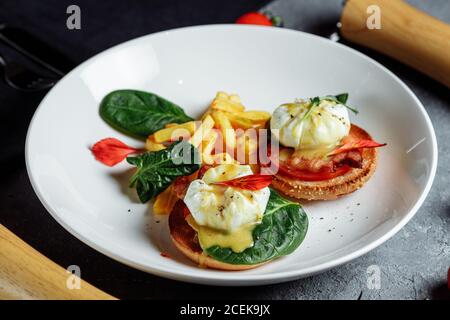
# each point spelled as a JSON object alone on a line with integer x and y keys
{"x": 185, "y": 239}
{"x": 336, "y": 187}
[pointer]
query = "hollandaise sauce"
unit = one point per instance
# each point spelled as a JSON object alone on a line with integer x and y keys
{"x": 222, "y": 215}
{"x": 237, "y": 240}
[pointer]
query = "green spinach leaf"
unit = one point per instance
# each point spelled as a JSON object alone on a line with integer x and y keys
{"x": 139, "y": 113}
{"x": 281, "y": 231}
{"x": 157, "y": 170}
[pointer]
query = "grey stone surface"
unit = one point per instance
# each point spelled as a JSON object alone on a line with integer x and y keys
{"x": 414, "y": 262}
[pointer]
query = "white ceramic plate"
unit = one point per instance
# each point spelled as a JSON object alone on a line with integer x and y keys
{"x": 267, "y": 67}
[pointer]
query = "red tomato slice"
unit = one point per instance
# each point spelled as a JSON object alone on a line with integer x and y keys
{"x": 305, "y": 175}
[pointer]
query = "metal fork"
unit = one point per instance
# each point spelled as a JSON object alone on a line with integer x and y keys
{"x": 21, "y": 78}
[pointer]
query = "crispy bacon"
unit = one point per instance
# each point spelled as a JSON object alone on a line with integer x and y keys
{"x": 313, "y": 165}
{"x": 349, "y": 154}
{"x": 353, "y": 159}
{"x": 181, "y": 184}
{"x": 186, "y": 212}
{"x": 251, "y": 182}
{"x": 355, "y": 145}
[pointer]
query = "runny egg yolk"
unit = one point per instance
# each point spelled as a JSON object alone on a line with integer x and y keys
{"x": 222, "y": 215}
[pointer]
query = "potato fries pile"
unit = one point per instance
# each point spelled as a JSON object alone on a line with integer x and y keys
{"x": 222, "y": 136}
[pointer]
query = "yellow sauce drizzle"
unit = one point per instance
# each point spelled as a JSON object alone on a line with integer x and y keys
{"x": 237, "y": 241}
{"x": 314, "y": 153}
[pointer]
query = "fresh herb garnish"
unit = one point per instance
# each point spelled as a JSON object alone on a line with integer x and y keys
{"x": 157, "y": 170}
{"x": 340, "y": 99}
{"x": 139, "y": 113}
{"x": 281, "y": 231}
{"x": 313, "y": 104}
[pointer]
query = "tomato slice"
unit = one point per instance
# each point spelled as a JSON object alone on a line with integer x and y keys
{"x": 305, "y": 175}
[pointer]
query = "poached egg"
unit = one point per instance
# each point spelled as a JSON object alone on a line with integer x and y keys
{"x": 223, "y": 215}
{"x": 304, "y": 126}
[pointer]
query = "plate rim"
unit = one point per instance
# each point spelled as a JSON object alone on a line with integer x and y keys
{"x": 241, "y": 279}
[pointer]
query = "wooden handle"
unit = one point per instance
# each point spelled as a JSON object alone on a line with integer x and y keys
{"x": 406, "y": 34}
{"x": 27, "y": 274}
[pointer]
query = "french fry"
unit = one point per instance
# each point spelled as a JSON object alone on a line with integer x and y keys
{"x": 207, "y": 159}
{"x": 152, "y": 145}
{"x": 209, "y": 142}
{"x": 235, "y": 98}
{"x": 176, "y": 131}
{"x": 249, "y": 119}
{"x": 226, "y": 102}
{"x": 165, "y": 201}
{"x": 228, "y": 133}
{"x": 240, "y": 122}
{"x": 207, "y": 113}
{"x": 207, "y": 147}
{"x": 203, "y": 131}
{"x": 255, "y": 116}
{"x": 246, "y": 147}
{"x": 224, "y": 158}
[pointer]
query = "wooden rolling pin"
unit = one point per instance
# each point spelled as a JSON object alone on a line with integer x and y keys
{"x": 27, "y": 274}
{"x": 406, "y": 34}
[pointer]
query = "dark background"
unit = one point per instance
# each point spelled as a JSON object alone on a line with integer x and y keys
{"x": 107, "y": 23}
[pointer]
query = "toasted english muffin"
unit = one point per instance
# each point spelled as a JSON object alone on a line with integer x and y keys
{"x": 336, "y": 187}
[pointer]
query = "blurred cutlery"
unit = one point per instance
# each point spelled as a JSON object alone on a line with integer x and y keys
{"x": 36, "y": 50}
{"x": 21, "y": 78}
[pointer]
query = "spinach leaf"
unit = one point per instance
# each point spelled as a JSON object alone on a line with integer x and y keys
{"x": 281, "y": 231}
{"x": 139, "y": 113}
{"x": 157, "y": 170}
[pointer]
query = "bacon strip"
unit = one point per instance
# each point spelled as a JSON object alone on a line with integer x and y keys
{"x": 111, "y": 151}
{"x": 353, "y": 145}
{"x": 251, "y": 182}
{"x": 352, "y": 158}
{"x": 181, "y": 184}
